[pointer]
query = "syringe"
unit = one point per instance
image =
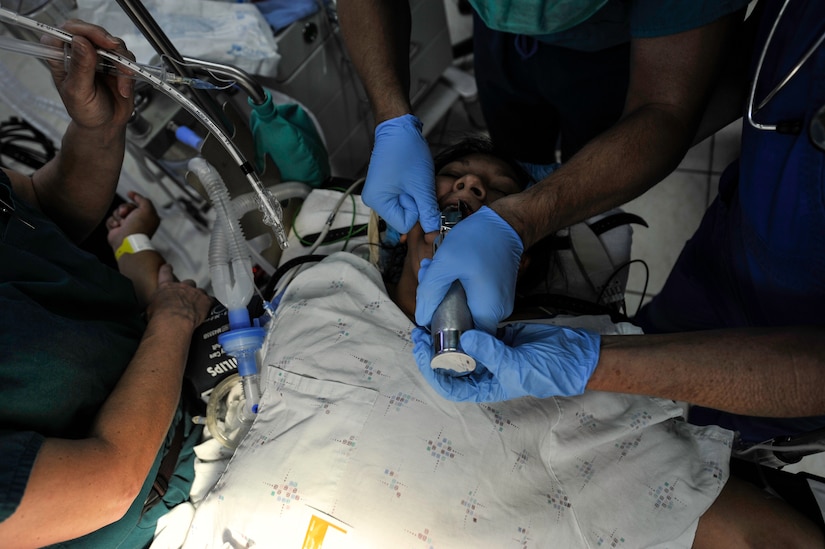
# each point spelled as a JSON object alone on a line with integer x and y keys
{"x": 104, "y": 66}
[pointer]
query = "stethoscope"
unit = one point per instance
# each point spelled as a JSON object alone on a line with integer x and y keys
{"x": 816, "y": 130}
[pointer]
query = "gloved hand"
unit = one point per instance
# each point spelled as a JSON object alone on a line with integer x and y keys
{"x": 483, "y": 252}
{"x": 400, "y": 183}
{"x": 539, "y": 360}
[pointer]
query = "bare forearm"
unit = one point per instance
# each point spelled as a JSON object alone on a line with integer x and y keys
{"x": 147, "y": 395}
{"x": 775, "y": 372}
{"x": 671, "y": 78}
{"x": 377, "y": 35}
{"x": 79, "y": 486}
{"x": 614, "y": 168}
{"x": 76, "y": 188}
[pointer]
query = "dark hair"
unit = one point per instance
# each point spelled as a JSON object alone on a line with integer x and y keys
{"x": 479, "y": 144}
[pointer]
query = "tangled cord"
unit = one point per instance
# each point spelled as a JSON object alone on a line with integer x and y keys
{"x": 24, "y": 144}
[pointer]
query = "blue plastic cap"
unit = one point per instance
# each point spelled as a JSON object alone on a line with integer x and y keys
{"x": 235, "y": 342}
{"x": 187, "y": 136}
{"x": 243, "y": 344}
{"x": 239, "y": 318}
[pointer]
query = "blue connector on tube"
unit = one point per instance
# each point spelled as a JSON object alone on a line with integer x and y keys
{"x": 243, "y": 341}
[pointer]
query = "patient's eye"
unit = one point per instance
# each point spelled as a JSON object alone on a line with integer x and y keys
{"x": 452, "y": 174}
{"x": 505, "y": 186}
{"x": 494, "y": 194}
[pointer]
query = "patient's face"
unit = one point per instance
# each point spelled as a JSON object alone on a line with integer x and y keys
{"x": 476, "y": 180}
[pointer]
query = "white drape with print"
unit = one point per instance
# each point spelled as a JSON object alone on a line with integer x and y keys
{"x": 352, "y": 449}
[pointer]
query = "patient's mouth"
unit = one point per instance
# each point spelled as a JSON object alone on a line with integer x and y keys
{"x": 464, "y": 208}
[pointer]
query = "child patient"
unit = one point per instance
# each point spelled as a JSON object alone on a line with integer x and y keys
{"x": 352, "y": 448}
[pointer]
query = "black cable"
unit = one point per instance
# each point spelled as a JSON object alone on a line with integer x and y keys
{"x": 285, "y": 268}
{"x": 333, "y": 236}
{"x": 566, "y": 304}
{"x": 24, "y": 144}
{"x": 619, "y": 269}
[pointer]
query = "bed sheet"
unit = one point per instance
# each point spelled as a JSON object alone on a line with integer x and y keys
{"x": 351, "y": 448}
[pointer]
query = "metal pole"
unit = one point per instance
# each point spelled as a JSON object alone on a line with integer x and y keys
{"x": 147, "y": 25}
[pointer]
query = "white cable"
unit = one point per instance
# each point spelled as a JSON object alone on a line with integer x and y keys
{"x": 782, "y": 449}
{"x": 290, "y": 276}
{"x": 331, "y": 218}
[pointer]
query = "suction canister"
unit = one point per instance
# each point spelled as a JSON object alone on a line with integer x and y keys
{"x": 452, "y": 317}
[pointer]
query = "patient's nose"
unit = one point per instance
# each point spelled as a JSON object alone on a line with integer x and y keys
{"x": 471, "y": 184}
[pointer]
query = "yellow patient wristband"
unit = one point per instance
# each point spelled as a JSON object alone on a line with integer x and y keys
{"x": 133, "y": 244}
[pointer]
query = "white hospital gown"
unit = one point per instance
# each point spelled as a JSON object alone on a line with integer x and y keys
{"x": 351, "y": 448}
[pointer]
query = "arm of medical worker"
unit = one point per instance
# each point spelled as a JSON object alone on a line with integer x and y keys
{"x": 670, "y": 79}
{"x": 79, "y": 486}
{"x": 76, "y": 188}
{"x": 771, "y": 372}
{"x": 400, "y": 179}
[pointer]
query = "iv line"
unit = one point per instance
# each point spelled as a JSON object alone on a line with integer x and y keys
{"x": 271, "y": 209}
{"x": 42, "y": 51}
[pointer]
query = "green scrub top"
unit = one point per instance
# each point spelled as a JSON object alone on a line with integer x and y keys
{"x": 69, "y": 325}
{"x": 593, "y": 25}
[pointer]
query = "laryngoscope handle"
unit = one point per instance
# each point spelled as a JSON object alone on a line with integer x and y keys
{"x": 452, "y": 316}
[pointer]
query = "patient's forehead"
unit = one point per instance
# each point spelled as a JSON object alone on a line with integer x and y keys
{"x": 480, "y": 162}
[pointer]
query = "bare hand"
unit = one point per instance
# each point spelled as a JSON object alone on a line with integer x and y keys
{"x": 178, "y": 299}
{"x": 136, "y": 217}
{"x": 93, "y": 100}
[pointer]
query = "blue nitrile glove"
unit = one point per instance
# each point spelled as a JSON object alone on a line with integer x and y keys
{"x": 538, "y": 360}
{"x": 400, "y": 183}
{"x": 483, "y": 252}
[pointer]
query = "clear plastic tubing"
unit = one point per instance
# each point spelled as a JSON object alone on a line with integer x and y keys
{"x": 281, "y": 192}
{"x": 271, "y": 209}
{"x": 230, "y": 266}
{"x": 64, "y": 55}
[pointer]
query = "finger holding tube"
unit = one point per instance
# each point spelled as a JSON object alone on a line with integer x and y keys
{"x": 92, "y": 99}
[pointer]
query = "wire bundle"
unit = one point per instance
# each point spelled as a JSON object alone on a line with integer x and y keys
{"x": 22, "y": 143}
